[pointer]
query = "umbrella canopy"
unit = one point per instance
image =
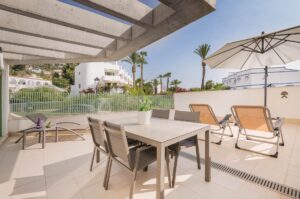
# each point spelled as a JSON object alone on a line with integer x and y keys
{"x": 274, "y": 48}
{"x": 280, "y": 47}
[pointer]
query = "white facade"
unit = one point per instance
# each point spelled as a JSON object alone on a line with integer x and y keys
{"x": 107, "y": 72}
{"x": 17, "y": 83}
{"x": 254, "y": 78}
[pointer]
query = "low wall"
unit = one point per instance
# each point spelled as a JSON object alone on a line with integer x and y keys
{"x": 221, "y": 101}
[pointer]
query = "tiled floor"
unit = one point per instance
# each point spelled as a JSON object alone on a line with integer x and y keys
{"x": 61, "y": 171}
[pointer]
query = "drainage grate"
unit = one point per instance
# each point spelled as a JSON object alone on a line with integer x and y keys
{"x": 283, "y": 189}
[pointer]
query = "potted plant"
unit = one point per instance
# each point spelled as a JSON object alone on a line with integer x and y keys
{"x": 144, "y": 111}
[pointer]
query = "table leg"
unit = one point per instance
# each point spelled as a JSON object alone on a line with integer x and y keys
{"x": 160, "y": 176}
{"x": 44, "y": 139}
{"x": 24, "y": 140}
{"x": 207, "y": 157}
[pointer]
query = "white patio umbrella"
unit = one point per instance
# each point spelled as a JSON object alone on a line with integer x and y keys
{"x": 274, "y": 48}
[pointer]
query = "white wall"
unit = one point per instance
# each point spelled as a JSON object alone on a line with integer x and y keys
{"x": 5, "y": 100}
{"x": 221, "y": 101}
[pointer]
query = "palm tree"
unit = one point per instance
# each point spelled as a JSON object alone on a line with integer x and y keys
{"x": 142, "y": 61}
{"x": 168, "y": 76}
{"x": 175, "y": 83}
{"x": 160, "y": 81}
{"x": 155, "y": 84}
{"x": 133, "y": 59}
{"x": 202, "y": 51}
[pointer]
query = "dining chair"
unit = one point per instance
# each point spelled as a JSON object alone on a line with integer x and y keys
{"x": 99, "y": 139}
{"x": 161, "y": 113}
{"x": 134, "y": 159}
{"x": 190, "y": 142}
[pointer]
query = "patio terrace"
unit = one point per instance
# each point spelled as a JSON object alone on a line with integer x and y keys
{"x": 61, "y": 170}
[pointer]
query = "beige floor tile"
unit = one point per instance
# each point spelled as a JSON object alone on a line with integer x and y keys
{"x": 61, "y": 170}
{"x": 250, "y": 191}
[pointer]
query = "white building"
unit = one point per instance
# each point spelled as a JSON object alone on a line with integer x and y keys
{"x": 254, "y": 78}
{"x": 17, "y": 83}
{"x": 109, "y": 74}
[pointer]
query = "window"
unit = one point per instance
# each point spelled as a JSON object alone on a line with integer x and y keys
{"x": 79, "y": 86}
{"x": 246, "y": 77}
{"x": 79, "y": 73}
{"x": 109, "y": 74}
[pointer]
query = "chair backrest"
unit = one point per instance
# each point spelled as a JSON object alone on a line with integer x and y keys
{"x": 35, "y": 116}
{"x": 207, "y": 116}
{"x": 98, "y": 135}
{"x": 161, "y": 113}
{"x": 253, "y": 118}
{"x": 187, "y": 116}
{"x": 117, "y": 143}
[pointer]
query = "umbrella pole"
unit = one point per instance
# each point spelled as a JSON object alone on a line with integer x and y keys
{"x": 266, "y": 86}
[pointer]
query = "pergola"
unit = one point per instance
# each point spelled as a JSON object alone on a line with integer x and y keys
{"x": 52, "y": 31}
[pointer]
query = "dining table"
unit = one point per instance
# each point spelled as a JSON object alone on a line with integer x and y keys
{"x": 162, "y": 133}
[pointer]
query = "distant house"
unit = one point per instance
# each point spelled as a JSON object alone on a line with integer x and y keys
{"x": 254, "y": 78}
{"x": 17, "y": 83}
{"x": 109, "y": 74}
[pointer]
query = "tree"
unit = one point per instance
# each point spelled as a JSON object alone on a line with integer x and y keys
{"x": 209, "y": 85}
{"x": 161, "y": 82}
{"x": 168, "y": 76}
{"x": 68, "y": 72}
{"x": 175, "y": 83}
{"x": 148, "y": 88}
{"x": 60, "y": 82}
{"x": 133, "y": 59}
{"x": 55, "y": 75}
{"x": 202, "y": 51}
{"x": 142, "y": 61}
{"x": 155, "y": 84}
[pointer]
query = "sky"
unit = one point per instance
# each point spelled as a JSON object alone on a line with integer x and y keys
{"x": 232, "y": 20}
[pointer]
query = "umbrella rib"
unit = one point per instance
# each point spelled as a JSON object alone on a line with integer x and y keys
{"x": 288, "y": 40}
{"x": 276, "y": 52}
{"x": 232, "y": 55}
{"x": 250, "y": 49}
{"x": 271, "y": 38}
{"x": 281, "y": 41}
{"x": 229, "y": 49}
{"x": 257, "y": 45}
{"x": 279, "y": 56}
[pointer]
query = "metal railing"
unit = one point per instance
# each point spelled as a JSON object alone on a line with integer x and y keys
{"x": 63, "y": 103}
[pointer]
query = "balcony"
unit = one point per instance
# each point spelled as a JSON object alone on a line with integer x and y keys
{"x": 61, "y": 170}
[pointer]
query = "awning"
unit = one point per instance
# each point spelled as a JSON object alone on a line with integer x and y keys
{"x": 51, "y": 31}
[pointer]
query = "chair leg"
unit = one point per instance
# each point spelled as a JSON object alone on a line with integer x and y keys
{"x": 98, "y": 155}
{"x": 93, "y": 157}
{"x": 40, "y": 137}
{"x": 44, "y": 139}
{"x": 221, "y": 139}
{"x": 132, "y": 188}
{"x": 277, "y": 146}
{"x": 19, "y": 139}
{"x": 175, "y": 168}
{"x": 281, "y": 135}
{"x": 24, "y": 140}
{"x": 198, "y": 153}
{"x": 56, "y": 134}
{"x": 107, "y": 173}
{"x": 237, "y": 140}
{"x": 168, "y": 167}
{"x": 231, "y": 134}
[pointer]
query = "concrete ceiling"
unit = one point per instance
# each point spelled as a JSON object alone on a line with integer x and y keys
{"x": 50, "y": 31}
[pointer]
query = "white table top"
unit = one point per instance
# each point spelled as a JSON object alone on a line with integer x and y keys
{"x": 160, "y": 130}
